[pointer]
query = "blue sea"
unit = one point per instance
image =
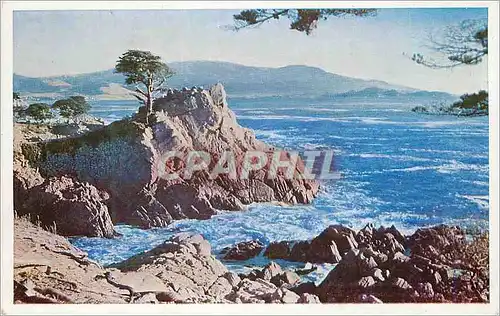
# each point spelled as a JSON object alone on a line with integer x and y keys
{"x": 397, "y": 167}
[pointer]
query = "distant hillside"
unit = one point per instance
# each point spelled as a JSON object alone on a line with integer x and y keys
{"x": 392, "y": 93}
{"x": 239, "y": 80}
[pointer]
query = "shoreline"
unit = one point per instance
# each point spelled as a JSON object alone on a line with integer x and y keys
{"x": 37, "y": 259}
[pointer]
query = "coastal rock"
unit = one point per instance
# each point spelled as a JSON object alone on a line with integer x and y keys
{"x": 327, "y": 247}
{"x": 289, "y": 297}
{"x": 184, "y": 264}
{"x": 273, "y": 273}
{"x": 271, "y": 270}
{"x": 48, "y": 269}
{"x": 258, "y": 291}
{"x": 244, "y": 250}
{"x": 69, "y": 207}
{"x": 24, "y": 176}
{"x": 363, "y": 298}
{"x": 285, "y": 278}
{"x": 384, "y": 240}
{"x": 342, "y": 236}
{"x": 431, "y": 242}
{"x": 278, "y": 250}
{"x": 307, "y": 298}
{"x": 304, "y": 288}
{"x": 128, "y": 159}
{"x": 380, "y": 268}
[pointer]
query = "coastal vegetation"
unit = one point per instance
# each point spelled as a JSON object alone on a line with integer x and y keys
{"x": 72, "y": 107}
{"x": 39, "y": 112}
{"x": 475, "y": 104}
{"x": 461, "y": 44}
{"x": 144, "y": 68}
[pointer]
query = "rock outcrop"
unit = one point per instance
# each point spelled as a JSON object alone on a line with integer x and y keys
{"x": 243, "y": 250}
{"x": 69, "y": 207}
{"x": 126, "y": 159}
{"x": 63, "y": 204}
{"x": 274, "y": 274}
{"x": 48, "y": 269}
{"x": 373, "y": 268}
{"x": 187, "y": 269}
{"x": 327, "y": 247}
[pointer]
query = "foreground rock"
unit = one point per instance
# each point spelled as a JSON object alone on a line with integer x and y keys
{"x": 270, "y": 284}
{"x": 126, "y": 159}
{"x": 373, "y": 267}
{"x": 244, "y": 250}
{"x": 186, "y": 268}
{"x": 327, "y": 247}
{"x": 69, "y": 207}
{"x": 442, "y": 267}
{"x": 274, "y": 274}
{"x": 63, "y": 204}
{"x": 48, "y": 269}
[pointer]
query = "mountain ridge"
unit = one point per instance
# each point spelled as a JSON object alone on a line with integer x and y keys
{"x": 239, "y": 80}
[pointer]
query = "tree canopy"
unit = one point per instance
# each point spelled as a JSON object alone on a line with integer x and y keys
{"x": 72, "y": 106}
{"x": 143, "y": 68}
{"x": 39, "y": 111}
{"x": 302, "y": 20}
{"x": 463, "y": 44}
{"x": 478, "y": 101}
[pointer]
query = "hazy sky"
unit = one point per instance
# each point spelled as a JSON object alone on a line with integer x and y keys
{"x": 69, "y": 42}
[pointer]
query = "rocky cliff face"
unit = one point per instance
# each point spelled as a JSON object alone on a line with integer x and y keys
{"x": 62, "y": 204}
{"x": 126, "y": 159}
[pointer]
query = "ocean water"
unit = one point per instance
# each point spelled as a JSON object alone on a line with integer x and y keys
{"x": 397, "y": 167}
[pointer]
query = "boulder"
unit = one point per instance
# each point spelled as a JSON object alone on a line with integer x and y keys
{"x": 305, "y": 287}
{"x": 190, "y": 272}
{"x": 327, "y": 247}
{"x": 342, "y": 236}
{"x": 278, "y": 250}
{"x": 69, "y": 207}
{"x": 306, "y": 298}
{"x": 271, "y": 270}
{"x": 426, "y": 291}
{"x": 431, "y": 242}
{"x": 286, "y": 278}
{"x": 300, "y": 251}
{"x": 131, "y": 160}
{"x": 357, "y": 273}
{"x": 244, "y": 250}
{"x": 364, "y": 298}
{"x": 289, "y": 297}
{"x": 258, "y": 291}
{"x": 49, "y": 269}
{"x": 386, "y": 241}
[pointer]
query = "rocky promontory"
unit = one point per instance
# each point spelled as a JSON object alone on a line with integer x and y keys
{"x": 126, "y": 162}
